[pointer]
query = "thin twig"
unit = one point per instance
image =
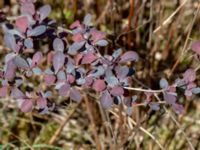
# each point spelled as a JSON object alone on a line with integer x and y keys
{"x": 59, "y": 130}
{"x": 98, "y": 144}
{"x": 173, "y": 118}
{"x": 19, "y": 138}
{"x": 130, "y": 16}
{"x": 170, "y": 17}
{"x": 144, "y": 90}
{"x": 142, "y": 129}
{"x": 177, "y": 124}
{"x": 186, "y": 42}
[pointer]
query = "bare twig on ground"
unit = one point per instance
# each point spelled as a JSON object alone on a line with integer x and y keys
{"x": 59, "y": 130}
{"x": 94, "y": 130}
{"x": 170, "y": 17}
{"x": 186, "y": 42}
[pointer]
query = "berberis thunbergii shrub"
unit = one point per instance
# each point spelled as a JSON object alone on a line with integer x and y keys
{"x": 71, "y": 67}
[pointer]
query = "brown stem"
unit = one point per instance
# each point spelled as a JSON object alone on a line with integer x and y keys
{"x": 131, "y": 13}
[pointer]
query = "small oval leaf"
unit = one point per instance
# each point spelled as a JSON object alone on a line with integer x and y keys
{"x": 106, "y": 100}
{"x": 99, "y": 85}
{"x": 88, "y": 58}
{"x": 27, "y": 105}
{"x": 58, "y": 45}
{"x": 58, "y": 61}
{"x": 129, "y": 56}
{"x": 39, "y": 30}
{"x": 75, "y": 95}
{"x": 44, "y": 12}
{"x": 20, "y": 62}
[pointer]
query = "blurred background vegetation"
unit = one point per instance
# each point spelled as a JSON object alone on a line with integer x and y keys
{"x": 161, "y": 31}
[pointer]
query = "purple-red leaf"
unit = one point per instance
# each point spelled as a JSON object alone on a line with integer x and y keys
{"x": 16, "y": 93}
{"x": 75, "y": 95}
{"x": 169, "y": 98}
{"x": 41, "y": 102}
{"x": 97, "y": 35}
{"x": 106, "y": 100}
{"x": 27, "y": 105}
{"x": 196, "y": 47}
{"x": 10, "y": 71}
{"x": 49, "y": 79}
{"x": 58, "y": 61}
{"x": 179, "y": 109}
{"x": 3, "y": 91}
{"x": 22, "y": 23}
{"x": 129, "y": 56}
{"x": 189, "y": 75}
{"x": 37, "y": 59}
{"x": 64, "y": 89}
{"x": 70, "y": 78}
{"x": 75, "y": 24}
{"x": 88, "y": 58}
{"x": 28, "y": 8}
{"x": 77, "y": 37}
{"x": 117, "y": 91}
{"x": 99, "y": 85}
{"x": 58, "y": 45}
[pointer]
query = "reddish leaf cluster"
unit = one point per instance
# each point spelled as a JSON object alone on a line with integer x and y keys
{"x": 71, "y": 67}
